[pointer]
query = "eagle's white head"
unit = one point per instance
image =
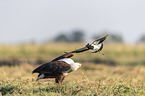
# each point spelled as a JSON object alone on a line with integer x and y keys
{"x": 75, "y": 66}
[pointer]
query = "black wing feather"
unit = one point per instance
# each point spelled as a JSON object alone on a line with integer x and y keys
{"x": 41, "y": 67}
{"x": 52, "y": 67}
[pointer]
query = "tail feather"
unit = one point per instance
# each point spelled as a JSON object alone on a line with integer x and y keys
{"x": 40, "y": 77}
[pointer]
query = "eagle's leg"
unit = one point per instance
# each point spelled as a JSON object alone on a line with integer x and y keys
{"x": 59, "y": 79}
{"x": 62, "y": 79}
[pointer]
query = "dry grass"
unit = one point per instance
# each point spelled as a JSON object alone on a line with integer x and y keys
{"x": 89, "y": 80}
{"x": 94, "y": 78}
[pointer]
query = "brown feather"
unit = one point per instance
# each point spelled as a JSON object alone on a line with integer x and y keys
{"x": 52, "y": 68}
{"x": 55, "y": 62}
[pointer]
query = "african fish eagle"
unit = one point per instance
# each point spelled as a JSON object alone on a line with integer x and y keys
{"x": 57, "y": 69}
{"x": 62, "y": 65}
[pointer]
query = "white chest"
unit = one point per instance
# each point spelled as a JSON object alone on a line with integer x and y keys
{"x": 74, "y": 65}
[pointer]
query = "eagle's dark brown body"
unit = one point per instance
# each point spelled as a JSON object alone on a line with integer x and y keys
{"x": 54, "y": 69}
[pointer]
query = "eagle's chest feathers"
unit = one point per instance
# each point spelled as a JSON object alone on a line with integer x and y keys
{"x": 74, "y": 65}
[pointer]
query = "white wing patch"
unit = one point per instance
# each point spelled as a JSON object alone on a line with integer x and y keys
{"x": 67, "y": 60}
{"x": 96, "y": 47}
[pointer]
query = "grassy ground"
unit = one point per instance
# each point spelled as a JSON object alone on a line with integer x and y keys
{"x": 89, "y": 80}
{"x": 95, "y": 78}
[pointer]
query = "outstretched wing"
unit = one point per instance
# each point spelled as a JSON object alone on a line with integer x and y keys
{"x": 100, "y": 40}
{"x": 66, "y": 55}
{"x": 52, "y": 68}
{"x": 96, "y": 46}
